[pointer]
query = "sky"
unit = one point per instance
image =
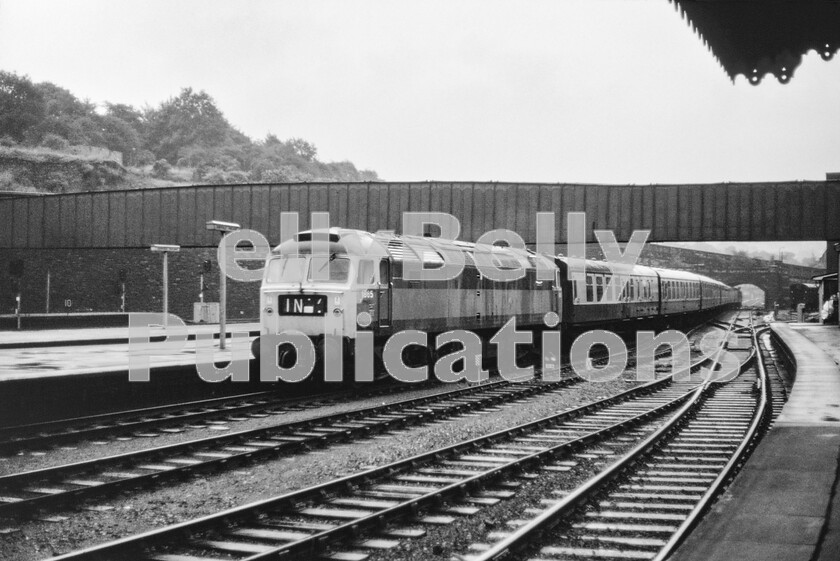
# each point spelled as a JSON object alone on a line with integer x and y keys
{"x": 578, "y": 91}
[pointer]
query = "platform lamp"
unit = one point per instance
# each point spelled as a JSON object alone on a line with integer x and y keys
{"x": 166, "y": 250}
{"x": 223, "y": 228}
{"x": 16, "y": 272}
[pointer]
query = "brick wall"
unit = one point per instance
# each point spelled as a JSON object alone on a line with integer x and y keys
{"x": 89, "y": 278}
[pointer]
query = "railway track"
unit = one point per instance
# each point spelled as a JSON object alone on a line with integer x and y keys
{"x": 37, "y": 490}
{"x": 50, "y": 487}
{"x": 644, "y": 504}
{"x": 430, "y": 488}
{"x": 216, "y": 413}
{"x": 155, "y": 421}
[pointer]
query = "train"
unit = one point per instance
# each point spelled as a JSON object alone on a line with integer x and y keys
{"x": 356, "y": 281}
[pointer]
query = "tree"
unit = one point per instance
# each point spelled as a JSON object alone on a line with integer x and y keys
{"x": 302, "y": 148}
{"x": 66, "y": 116}
{"x": 128, "y": 114}
{"x": 191, "y": 119}
{"x": 271, "y": 140}
{"x": 60, "y": 101}
{"x": 21, "y": 105}
{"x": 119, "y": 136}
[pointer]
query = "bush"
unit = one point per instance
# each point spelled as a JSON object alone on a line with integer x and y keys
{"x": 218, "y": 176}
{"x": 144, "y": 158}
{"x": 285, "y": 174}
{"x": 7, "y": 181}
{"x": 161, "y": 169}
{"x": 55, "y": 142}
{"x": 57, "y": 181}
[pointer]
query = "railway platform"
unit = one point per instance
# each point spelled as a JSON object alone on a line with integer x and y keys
{"x": 101, "y": 335}
{"x": 59, "y": 373}
{"x": 65, "y": 352}
{"x": 784, "y": 504}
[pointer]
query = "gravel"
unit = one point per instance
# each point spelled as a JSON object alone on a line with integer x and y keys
{"x": 141, "y": 510}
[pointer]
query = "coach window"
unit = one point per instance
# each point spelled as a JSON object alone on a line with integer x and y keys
{"x": 599, "y": 288}
{"x": 589, "y": 294}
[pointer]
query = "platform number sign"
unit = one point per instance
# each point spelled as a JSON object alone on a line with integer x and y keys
{"x": 68, "y": 303}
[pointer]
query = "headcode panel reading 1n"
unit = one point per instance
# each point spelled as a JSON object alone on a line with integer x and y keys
{"x": 302, "y": 305}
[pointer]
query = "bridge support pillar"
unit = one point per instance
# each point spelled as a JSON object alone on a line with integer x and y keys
{"x": 831, "y": 256}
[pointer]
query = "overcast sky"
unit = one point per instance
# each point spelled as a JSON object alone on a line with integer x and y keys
{"x": 594, "y": 91}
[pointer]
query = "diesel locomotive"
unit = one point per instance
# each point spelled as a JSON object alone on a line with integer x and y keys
{"x": 342, "y": 282}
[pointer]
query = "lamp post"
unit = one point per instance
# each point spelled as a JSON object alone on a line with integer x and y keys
{"x": 223, "y": 228}
{"x": 165, "y": 249}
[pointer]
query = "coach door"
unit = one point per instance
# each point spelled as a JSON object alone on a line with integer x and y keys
{"x": 384, "y": 296}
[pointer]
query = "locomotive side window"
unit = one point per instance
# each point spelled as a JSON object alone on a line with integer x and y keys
{"x": 365, "y": 275}
{"x": 286, "y": 269}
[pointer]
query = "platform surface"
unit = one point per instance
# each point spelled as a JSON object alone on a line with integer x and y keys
{"x": 783, "y": 505}
{"x": 98, "y": 335}
{"x": 89, "y": 351}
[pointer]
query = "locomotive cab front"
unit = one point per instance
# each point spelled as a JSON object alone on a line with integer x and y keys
{"x": 318, "y": 284}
